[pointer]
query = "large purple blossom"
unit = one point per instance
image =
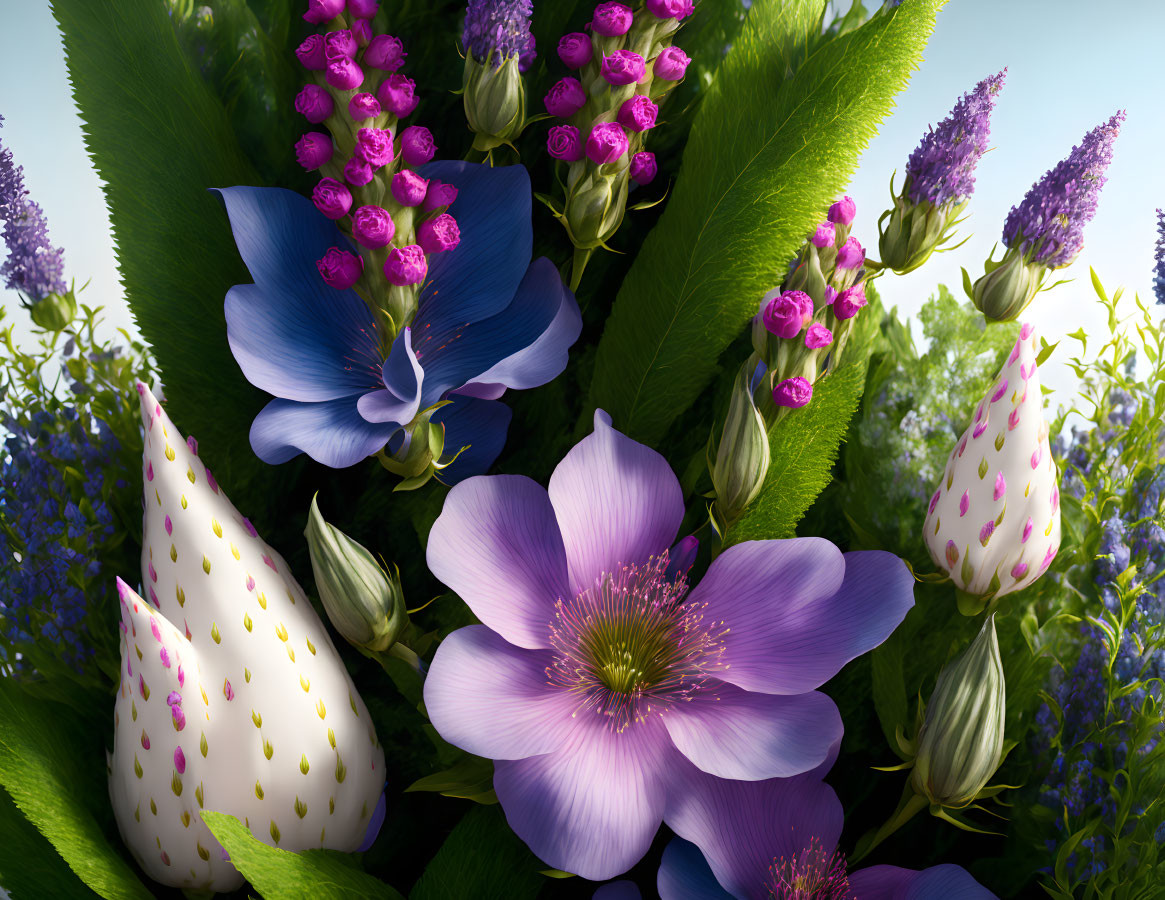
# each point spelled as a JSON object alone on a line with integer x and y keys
{"x": 497, "y": 29}
{"x": 606, "y": 691}
{"x": 1050, "y": 221}
{"x": 34, "y": 267}
{"x": 1159, "y": 266}
{"x": 942, "y": 168}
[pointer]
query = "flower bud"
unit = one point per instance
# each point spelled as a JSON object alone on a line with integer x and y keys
{"x": 314, "y": 103}
{"x": 742, "y": 454}
{"x": 670, "y": 9}
{"x": 364, "y": 106}
{"x": 344, "y": 74}
{"x": 406, "y": 265}
{"x": 339, "y": 44}
{"x": 332, "y": 198}
{"x": 408, "y": 188}
{"x": 823, "y": 236}
{"x": 311, "y": 53}
{"x": 914, "y": 231}
{"x": 785, "y": 314}
{"x": 575, "y": 50}
{"x": 374, "y": 146}
{"x": 495, "y": 101}
{"x": 643, "y": 168}
{"x": 396, "y": 94}
{"x": 793, "y": 392}
{"x": 357, "y": 171}
{"x": 54, "y": 312}
{"x": 595, "y": 206}
{"x": 671, "y": 64}
{"x": 362, "y": 31}
{"x": 439, "y": 196}
{"x": 385, "y": 52}
{"x": 439, "y": 234}
{"x": 843, "y": 212}
{"x": 563, "y": 142}
{"x": 1006, "y": 289}
{"x": 625, "y": 67}
{"x": 340, "y": 269}
{"x": 565, "y": 98}
{"x": 850, "y": 255}
{"x": 993, "y": 524}
{"x": 638, "y": 113}
{"x": 416, "y": 145}
{"x": 849, "y": 301}
{"x": 363, "y": 9}
{"x": 321, "y": 11}
{"x": 818, "y": 336}
{"x": 363, "y": 602}
{"x": 961, "y": 742}
{"x": 372, "y": 227}
{"x": 612, "y": 19}
{"x": 606, "y": 143}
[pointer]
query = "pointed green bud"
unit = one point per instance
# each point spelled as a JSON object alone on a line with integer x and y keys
{"x": 595, "y": 204}
{"x": 912, "y": 232}
{"x": 742, "y": 456}
{"x": 365, "y": 604}
{"x": 961, "y": 742}
{"x": 495, "y": 101}
{"x": 54, "y": 312}
{"x": 1004, "y": 291}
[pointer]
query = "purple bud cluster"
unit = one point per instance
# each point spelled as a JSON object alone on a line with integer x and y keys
{"x": 1159, "y": 259}
{"x": 34, "y": 267}
{"x": 942, "y": 168}
{"x": 498, "y": 29}
{"x": 369, "y": 184}
{"x": 1049, "y": 224}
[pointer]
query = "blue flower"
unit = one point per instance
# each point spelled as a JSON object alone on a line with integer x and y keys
{"x": 488, "y": 319}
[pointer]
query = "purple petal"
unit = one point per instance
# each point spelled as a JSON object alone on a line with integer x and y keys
{"x": 736, "y": 734}
{"x": 684, "y": 874}
{"x": 374, "y": 824}
{"x": 742, "y": 826}
{"x": 293, "y": 335}
{"x": 332, "y": 433}
{"x": 497, "y": 545}
{"x": 617, "y": 890}
{"x": 617, "y": 502}
{"x": 491, "y": 698}
{"x": 594, "y": 806}
{"x": 402, "y": 376}
{"x": 478, "y": 425}
{"x": 949, "y": 882}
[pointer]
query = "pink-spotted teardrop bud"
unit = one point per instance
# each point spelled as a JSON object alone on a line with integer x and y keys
{"x": 994, "y": 522}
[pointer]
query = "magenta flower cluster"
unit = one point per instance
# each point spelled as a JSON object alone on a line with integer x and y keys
{"x": 34, "y": 267}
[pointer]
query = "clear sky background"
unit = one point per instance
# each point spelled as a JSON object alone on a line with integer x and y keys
{"x": 1071, "y": 64}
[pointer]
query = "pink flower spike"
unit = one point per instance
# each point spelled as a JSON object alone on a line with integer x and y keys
{"x": 964, "y": 503}
{"x": 1000, "y": 486}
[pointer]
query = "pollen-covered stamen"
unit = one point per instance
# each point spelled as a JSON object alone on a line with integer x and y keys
{"x": 631, "y": 645}
{"x": 811, "y": 874}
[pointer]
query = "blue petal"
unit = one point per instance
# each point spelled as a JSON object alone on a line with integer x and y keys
{"x": 684, "y": 874}
{"x": 617, "y": 890}
{"x": 292, "y": 335}
{"x": 452, "y": 358}
{"x": 948, "y": 881}
{"x": 477, "y": 279}
{"x": 479, "y": 425}
{"x": 374, "y": 824}
{"x": 332, "y": 433}
{"x": 401, "y": 399}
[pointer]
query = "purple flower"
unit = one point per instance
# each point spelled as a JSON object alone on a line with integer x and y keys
{"x": 364, "y": 106}
{"x": 612, "y": 19}
{"x": 1159, "y": 264}
{"x": 643, "y": 168}
{"x": 340, "y": 269}
{"x": 1050, "y": 221}
{"x": 385, "y": 52}
{"x": 374, "y": 146}
{"x": 565, "y": 98}
{"x": 823, "y": 236}
{"x": 623, "y": 67}
{"x": 786, "y": 314}
{"x": 311, "y": 53}
{"x": 563, "y": 142}
{"x": 416, "y": 145}
{"x": 344, "y": 74}
{"x": 363, "y": 9}
{"x": 597, "y": 737}
{"x": 372, "y": 227}
{"x": 357, "y": 171}
{"x": 321, "y": 11}
{"x": 34, "y": 267}
{"x": 314, "y": 103}
{"x": 439, "y": 234}
{"x": 942, "y": 168}
{"x": 793, "y": 392}
{"x": 495, "y": 30}
{"x": 439, "y": 196}
{"x": 396, "y": 94}
{"x": 670, "y": 9}
{"x": 575, "y": 50}
{"x": 339, "y": 44}
{"x": 849, "y": 301}
{"x": 606, "y": 142}
{"x": 638, "y": 113}
{"x": 818, "y": 336}
{"x": 843, "y": 211}
{"x": 851, "y": 254}
{"x": 406, "y": 265}
{"x": 332, "y": 198}
{"x": 526, "y": 57}
{"x": 488, "y": 320}
{"x": 671, "y": 64}
{"x": 409, "y": 188}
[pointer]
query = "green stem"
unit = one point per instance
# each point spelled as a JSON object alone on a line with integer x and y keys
{"x": 578, "y": 266}
{"x": 910, "y": 805}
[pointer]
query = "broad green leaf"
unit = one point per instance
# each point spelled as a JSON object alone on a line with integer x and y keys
{"x": 776, "y": 137}
{"x": 29, "y": 866}
{"x": 51, "y": 770}
{"x": 282, "y": 875}
{"x": 803, "y": 446}
{"x": 470, "y": 778}
{"x": 888, "y": 686}
{"x": 482, "y": 858}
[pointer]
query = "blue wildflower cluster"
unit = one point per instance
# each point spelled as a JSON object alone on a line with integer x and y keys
{"x": 1159, "y": 259}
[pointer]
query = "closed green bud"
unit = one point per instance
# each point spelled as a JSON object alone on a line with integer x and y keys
{"x": 742, "y": 456}
{"x": 595, "y": 205}
{"x": 54, "y": 312}
{"x": 495, "y": 101}
{"x": 364, "y": 603}
{"x": 960, "y": 744}
{"x": 912, "y": 232}
{"x": 1004, "y": 291}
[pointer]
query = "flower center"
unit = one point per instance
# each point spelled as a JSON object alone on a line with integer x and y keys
{"x": 811, "y": 874}
{"x": 631, "y": 645}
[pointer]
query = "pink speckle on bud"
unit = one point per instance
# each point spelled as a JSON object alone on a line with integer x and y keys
{"x": 1000, "y": 486}
{"x": 999, "y": 391}
{"x": 1014, "y": 353}
{"x": 1025, "y": 373}
{"x": 1055, "y": 498}
{"x": 270, "y": 562}
{"x": 1025, "y": 331}
{"x": 250, "y": 529}
{"x": 169, "y": 526}
{"x": 986, "y": 531}
{"x": 181, "y": 677}
{"x": 179, "y": 761}
{"x": 192, "y": 444}
{"x": 934, "y": 501}
{"x": 153, "y": 573}
{"x": 145, "y": 740}
{"x": 1048, "y": 557}
{"x": 1013, "y": 420}
{"x": 149, "y": 471}
{"x": 952, "y": 554}
{"x": 962, "y": 447}
{"x": 155, "y": 630}
{"x": 173, "y": 699}
{"x": 210, "y": 482}
{"x": 227, "y": 690}
{"x": 179, "y": 717}
{"x": 979, "y": 429}
{"x": 979, "y": 413}
{"x": 154, "y": 598}
{"x": 1019, "y": 570}
{"x": 964, "y": 503}
{"x": 1027, "y": 530}
{"x": 1037, "y": 455}
{"x": 141, "y": 686}
{"x": 250, "y": 583}
{"x": 164, "y": 655}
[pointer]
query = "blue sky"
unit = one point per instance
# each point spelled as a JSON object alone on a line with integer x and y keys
{"x": 1071, "y": 64}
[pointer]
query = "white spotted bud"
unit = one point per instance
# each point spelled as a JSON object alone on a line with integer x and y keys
{"x": 240, "y": 676}
{"x": 993, "y": 523}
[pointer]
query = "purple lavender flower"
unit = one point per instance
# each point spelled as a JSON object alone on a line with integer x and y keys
{"x": 1159, "y": 267}
{"x": 602, "y": 685}
{"x": 496, "y": 29}
{"x": 498, "y": 47}
{"x": 34, "y": 267}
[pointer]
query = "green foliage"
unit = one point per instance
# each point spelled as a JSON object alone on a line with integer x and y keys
{"x": 776, "y": 136}
{"x": 282, "y": 875}
{"x": 29, "y": 866}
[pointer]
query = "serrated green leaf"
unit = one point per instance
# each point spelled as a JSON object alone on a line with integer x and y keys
{"x": 44, "y": 768}
{"x": 803, "y": 447}
{"x": 767, "y": 153}
{"x": 29, "y": 866}
{"x": 282, "y": 875}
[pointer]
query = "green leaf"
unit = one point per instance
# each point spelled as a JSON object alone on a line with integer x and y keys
{"x": 43, "y": 767}
{"x": 29, "y": 866}
{"x": 282, "y": 875}
{"x": 483, "y": 859}
{"x": 470, "y": 778}
{"x": 768, "y": 152}
{"x": 888, "y": 684}
{"x": 803, "y": 446}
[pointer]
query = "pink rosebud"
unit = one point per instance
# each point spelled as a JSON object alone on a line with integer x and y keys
{"x": 362, "y": 31}
{"x": 339, "y": 44}
{"x": 409, "y": 188}
{"x": 179, "y": 761}
{"x": 786, "y": 314}
{"x": 638, "y": 113}
{"x": 344, "y": 74}
{"x": 314, "y": 103}
{"x": 313, "y": 150}
{"x": 311, "y": 53}
{"x": 332, "y": 198}
{"x": 363, "y": 9}
{"x": 439, "y": 234}
{"x": 374, "y": 145}
{"x": 320, "y": 11}
{"x": 439, "y": 196}
{"x": 850, "y": 301}
{"x": 851, "y": 255}
{"x": 642, "y": 169}
{"x": 575, "y": 50}
{"x": 396, "y": 94}
{"x": 564, "y": 143}
{"x": 364, "y": 106}
{"x": 793, "y": 392}
{"x": 669, "y": 9}
{"x": 385, "y": 52}
{"x": 823, "y": 236}
{"x": 612, "y": 19}
{"x": 340, "y": 269}
{"x": 406, "y": 266}
{"x": 372, "y": 227}
{"x": 416, "y": 145}
{"x": 566, "y": 98}
{"x": 607, "y": 142}
{"x": 843, "y": 211}
{"x": 624, "y": 67}
{"x": 671, "y": 64}
{"x": 818, "y": 336}
{"x": 357, "y": 171}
